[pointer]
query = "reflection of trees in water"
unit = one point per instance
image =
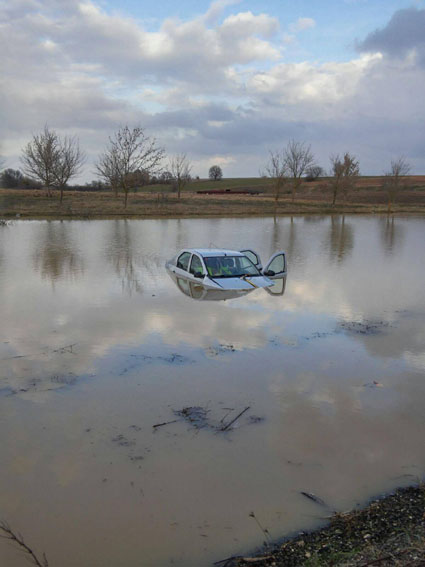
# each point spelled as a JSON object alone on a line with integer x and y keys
{"x": 391, "y": 234}
{"x": 341, "y": 238}
{"x": 275, "y": 239}
{"x": 283, "y": 237}
{"x": 1, "y": 249}
{"x": 120, "y": 253}
{"x": 55, "y": 256}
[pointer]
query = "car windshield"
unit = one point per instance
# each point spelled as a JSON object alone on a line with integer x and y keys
{"x": 230, "y": 267}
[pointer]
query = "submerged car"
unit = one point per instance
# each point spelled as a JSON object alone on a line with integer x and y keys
{"x": 227, "y": 269}
{"x": 195, "y": 290}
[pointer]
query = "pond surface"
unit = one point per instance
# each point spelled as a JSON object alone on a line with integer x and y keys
{"x": 98, "y": 345}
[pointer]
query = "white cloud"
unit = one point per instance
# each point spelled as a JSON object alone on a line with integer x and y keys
{"x": 215, "y": 85}
{"x": 302, "y": 24}
{"x": 295, "y": 83}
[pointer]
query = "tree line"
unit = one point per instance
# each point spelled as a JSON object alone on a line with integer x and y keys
{"x": 132, "y": 159}
{"x": 289, "y": 166}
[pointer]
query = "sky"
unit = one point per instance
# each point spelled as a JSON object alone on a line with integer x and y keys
{"x": 224, "y": 82}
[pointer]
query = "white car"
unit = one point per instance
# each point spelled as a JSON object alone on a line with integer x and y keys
{"x": 227, "y": 269}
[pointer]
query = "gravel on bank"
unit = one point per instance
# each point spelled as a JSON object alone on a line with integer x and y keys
{"x": 389, "y": 531}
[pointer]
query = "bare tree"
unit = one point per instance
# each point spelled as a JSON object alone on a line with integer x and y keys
{"x": 180, "y": 168}
{"x": 71, "y": 160}
{"x": 394, "y": 179}
{"x": 344, "y": 172}
{"x": 40, "y": 156}
{"x": 52, "y": 160}
{"x": 313, "y": 172}
{"x": 11, "y": 178}
{"x": 298, "y": 158}
{"x": 107, "y": 168}
{"x": 215, "y": 173}
{"x": 129, "y": 151}
{"x": 276, "y": 169}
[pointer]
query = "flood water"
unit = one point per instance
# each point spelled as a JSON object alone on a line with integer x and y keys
{"x": 98, "y": 345}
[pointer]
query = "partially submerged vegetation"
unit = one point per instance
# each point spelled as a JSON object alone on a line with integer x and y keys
{"x": 389, "y": 531}
{"x": 368, "y": 195}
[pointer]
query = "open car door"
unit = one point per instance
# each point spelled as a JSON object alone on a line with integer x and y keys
{"x": 276, "y": 266}
{"x": 253, "y": 256}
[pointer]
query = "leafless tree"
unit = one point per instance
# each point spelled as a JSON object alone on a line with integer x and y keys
{"x": 394, "y": 179}
{"x": 107, "y": 168}
{"x": 39, "y": 157}
{"x": 52, "y": 160}
{"x": 180, "y": 168}
{"x": 298, "y": 158}
{"x": 129, "y": 151}
{"x": 70, "y": 163}
{"x": 344, "y": 173}
{"x": 314, "y": 172}
{"x": 215, "y": 173}
{"x": 276, "y": 169}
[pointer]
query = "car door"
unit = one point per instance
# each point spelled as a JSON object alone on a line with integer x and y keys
{"x": 253, "y": 256}
{"x": 196, "y": 268}
{"x": 182, "y": 264}
{"x": 276, "y": 266}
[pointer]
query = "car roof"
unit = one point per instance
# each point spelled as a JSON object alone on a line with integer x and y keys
{"x": 205, "y": 252}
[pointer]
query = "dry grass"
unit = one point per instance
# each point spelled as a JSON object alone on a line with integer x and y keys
{"x": 314, "y": 197}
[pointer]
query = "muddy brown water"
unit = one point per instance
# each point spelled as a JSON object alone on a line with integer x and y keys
{"x": 98, "y": 345}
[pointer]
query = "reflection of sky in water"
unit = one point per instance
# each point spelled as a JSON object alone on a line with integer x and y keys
{"x": 335, "y": 366}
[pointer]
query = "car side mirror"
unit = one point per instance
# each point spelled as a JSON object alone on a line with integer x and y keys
{"x": 199, "y": 275}
{"x": 270, "y": 273}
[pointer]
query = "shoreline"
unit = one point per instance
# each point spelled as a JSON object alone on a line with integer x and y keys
{"x": 35, "y": 205}
{"x": 389, "y": 530}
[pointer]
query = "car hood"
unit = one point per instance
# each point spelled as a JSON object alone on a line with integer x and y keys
{"x": 237, "y": 283}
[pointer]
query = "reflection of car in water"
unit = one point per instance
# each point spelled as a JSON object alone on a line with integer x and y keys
{"x": 229, "y": 270}
{"x": 198, "y": 291}
{"x": 224, "y": 274}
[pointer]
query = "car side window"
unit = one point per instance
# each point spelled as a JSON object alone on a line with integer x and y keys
{"x": 183, "y": 261}
{"x": 278, "y": 264}
{"x": 196, "y": 265}
{"x": 252, "y": 256}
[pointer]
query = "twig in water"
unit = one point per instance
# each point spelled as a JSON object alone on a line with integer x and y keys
{"x": 226, "y": 427}
{"x": 315, "y": 498}
{"x": 67, "y": 348}
{"x": 164, "y": 423}
{"x": 19, "y": 541}
{"x": 225, "y": 415}
{"x": 228, "y": 561}
{"x": 264, "y": 530}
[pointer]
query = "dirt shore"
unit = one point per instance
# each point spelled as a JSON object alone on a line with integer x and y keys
{"x": 160, "y": 201}
{"x": 389, "y": 531}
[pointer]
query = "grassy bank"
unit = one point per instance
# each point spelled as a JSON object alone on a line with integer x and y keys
{"x": 389, "y": 531}
{"x": 160, "y": 201}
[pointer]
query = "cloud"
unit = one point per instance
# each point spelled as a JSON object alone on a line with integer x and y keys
{"x": 404, "y": 33}
{"x": 217, "y": 84}
{"x": 302, "y": 24}
{"x": 216, "y": 9}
